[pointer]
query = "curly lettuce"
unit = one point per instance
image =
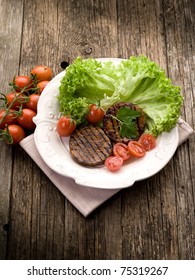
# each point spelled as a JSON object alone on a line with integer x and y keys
{"x": 88, "y": 78}
{"x": 86, "y": 81}
{"x": 137, "y": 80}
{"x": 145, "y": 84}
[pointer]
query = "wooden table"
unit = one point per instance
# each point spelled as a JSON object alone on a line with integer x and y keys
{"x": 155, "y": 218}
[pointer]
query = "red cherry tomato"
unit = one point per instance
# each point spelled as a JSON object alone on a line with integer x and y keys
{"x": 95, "y": 115}
{"x": 10, "y": 118}
{"x": 121, "y": 150}
{"x": 148, "y": 141}
{"x": 42, "y": 73}
{"x": 22, "y": 82}
{"x": 136, "y": 149}
{"x": 113, "y": 163}
{"x": 33, "y": 101}
{"x": 16, "y": 132}
{"x": 19, "y": 98}
{"x": 41, "y": 85}
{"x": 25, "y": 120}
{"x": 65, "y": 126}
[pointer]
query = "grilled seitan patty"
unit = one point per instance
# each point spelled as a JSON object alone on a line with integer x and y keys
{"x": 111, "y": 125}
{"x": 90, "y": 146}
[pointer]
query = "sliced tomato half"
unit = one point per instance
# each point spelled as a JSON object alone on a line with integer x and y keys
{"x": 121, "y": 150}
{"x": 148, "y": 141}
{"x": 114, "y": 163}
{"x": 136, "y": 149}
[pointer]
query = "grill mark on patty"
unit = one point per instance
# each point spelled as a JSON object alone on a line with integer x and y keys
{"x": 105, "y": 148}
{"x": 82, "y": 144}
{"x": 112, "y": 126}
{"x": 78, "y": 146}
{"x": 87, "y": 133}
{"x": 90, "y": 146}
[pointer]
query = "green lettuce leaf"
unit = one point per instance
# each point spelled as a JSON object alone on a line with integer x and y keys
{"x": 88, "y": 78}
{"x": 76, "y": 108}
{"x": 145, "y": 84}
{"x": 86, "y": 81}
{"x": 137, "y": 80}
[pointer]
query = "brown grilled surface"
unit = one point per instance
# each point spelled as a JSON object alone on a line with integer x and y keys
{"x": 90, "y": 146}
{"x": 112, "y": 127}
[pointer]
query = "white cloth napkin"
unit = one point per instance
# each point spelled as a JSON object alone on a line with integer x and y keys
{"x": 85, "y": 199}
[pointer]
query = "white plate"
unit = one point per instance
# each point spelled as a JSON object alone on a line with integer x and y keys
{"x": 55, "y": 151}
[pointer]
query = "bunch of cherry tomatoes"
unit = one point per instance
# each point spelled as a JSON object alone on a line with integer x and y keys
{"x": 19, "y": 105}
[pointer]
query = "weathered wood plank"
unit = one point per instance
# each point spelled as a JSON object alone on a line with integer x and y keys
{"x": 10, "y": 34}
{"x": 179, "y": 28}
{"x": 154, "y": 219}
{"x": 34, "y": 206}
{"x": 146, "y": 23}
{"x": 92, "y": 22}
{"x": 141, "y": 30}
{"x": 43, "y": 43}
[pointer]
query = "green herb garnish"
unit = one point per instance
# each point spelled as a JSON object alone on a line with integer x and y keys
{"x": 127, "y": 117}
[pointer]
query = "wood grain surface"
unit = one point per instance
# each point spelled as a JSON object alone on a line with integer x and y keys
{"x": 155, "y": 218}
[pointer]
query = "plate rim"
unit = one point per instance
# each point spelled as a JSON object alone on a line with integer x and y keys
{"x": 40, "y": 120}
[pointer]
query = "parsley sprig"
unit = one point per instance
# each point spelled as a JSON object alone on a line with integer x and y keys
{"x": 127, "y": 119}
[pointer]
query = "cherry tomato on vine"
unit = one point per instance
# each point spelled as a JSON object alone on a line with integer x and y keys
{"x": 25, "y": 120}
{"x": 148, "y": 141}
{"x": 10, "y": 118}
{"x": 16, "y": 132}
{"x": 42, "y": 73}
{"x": 65, "y": 126}
{"x": 18, "y": 97}
{"x": 113, "y": 163}
{"x": 22, "y": 82}
{"x": 136, "y": 149}
{"x": 33, "y": 101}
{"x": 96, "y": 114}
{"x": 41, "y": 85}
